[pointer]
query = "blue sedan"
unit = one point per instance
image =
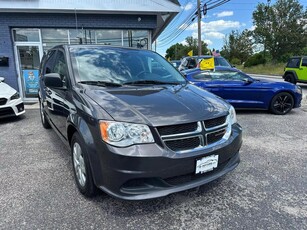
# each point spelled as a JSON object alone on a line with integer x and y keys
{"x": 245, "y": 92}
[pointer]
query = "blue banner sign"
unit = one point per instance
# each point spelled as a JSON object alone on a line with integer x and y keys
{"x": 31, "y": 79}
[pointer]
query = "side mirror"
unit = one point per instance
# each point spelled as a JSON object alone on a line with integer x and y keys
{"x": 1, "y": 79}
{"x": 53, "y": 80}
{"x": 248, "y": 81}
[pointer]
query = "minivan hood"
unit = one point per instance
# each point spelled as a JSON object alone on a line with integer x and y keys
{"x": 158, "y": 105}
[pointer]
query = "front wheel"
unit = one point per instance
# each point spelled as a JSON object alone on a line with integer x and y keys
{"x": 290, "y": 78}
{"x": 81, "y": 167}
{"x": 282, "y": 103}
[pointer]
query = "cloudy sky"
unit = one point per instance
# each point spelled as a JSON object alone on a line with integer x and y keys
{"x": 218, "y": 23}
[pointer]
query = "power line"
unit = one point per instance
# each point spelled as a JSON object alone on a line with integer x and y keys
{"x": 174, "y": 33}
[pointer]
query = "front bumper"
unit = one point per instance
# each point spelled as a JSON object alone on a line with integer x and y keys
{"x": 164, "y": 172}
{"x": 298, "y": 100}
{"x": 12, "y": 108}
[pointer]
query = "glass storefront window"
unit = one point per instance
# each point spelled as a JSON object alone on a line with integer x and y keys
{"x": 75, "y": 36}
{"x": 88, "y": 36}
{"x": 26, "y": 35}
{"x": 136, "y": 38}
{"x": 53, "y": 37}
{"x": 109, "y": 37}
{"x": 82, "y": 36}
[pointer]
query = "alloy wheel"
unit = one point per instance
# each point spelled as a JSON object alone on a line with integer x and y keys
{"x": 79, "y": 164}
{"x": 283, "y": 104}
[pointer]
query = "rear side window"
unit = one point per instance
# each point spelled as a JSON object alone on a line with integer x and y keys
{"x": 294, "y": 63}
{"x": 221, "y": 62}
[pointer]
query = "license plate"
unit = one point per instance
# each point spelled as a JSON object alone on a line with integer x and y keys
{"x": 206, "y": 164}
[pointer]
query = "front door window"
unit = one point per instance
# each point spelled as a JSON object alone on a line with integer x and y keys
{"x": 29, "y": 61}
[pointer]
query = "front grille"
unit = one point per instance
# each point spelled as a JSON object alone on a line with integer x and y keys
{"x": 177, "y": 129}
{"x": 3, "y": 101}
{"x": 189, "y": 136}
{"x": 6, "y": 111}
{"x": 183, "y": 144}
{"x": 215, "y": 136}
{"x": 215, "y": 122}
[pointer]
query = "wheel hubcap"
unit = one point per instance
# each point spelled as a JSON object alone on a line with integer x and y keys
{"x": 79, "y": 164}
{"x": 283, "y": 104}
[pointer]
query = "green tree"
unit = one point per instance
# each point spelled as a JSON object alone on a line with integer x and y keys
{"x": 177, "y": 51}
{"x": 238, "y": 46}
{"x": 281, "y": 28}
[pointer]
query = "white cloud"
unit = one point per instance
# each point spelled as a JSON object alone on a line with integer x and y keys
{"x": 188, "y": 6}
{"x": 203, "y": 36}
{"x": 224, "y": 14}
{"x": 209, "y": 42}
{"x": 184, "y": 43}
{"x": 219, "y": 25}
{"x": 214, "y": 34}
{"x": 252, "y": 28}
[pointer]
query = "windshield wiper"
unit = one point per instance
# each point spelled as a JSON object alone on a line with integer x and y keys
{"x": 151, "y": 82}
{"x": 100, "y": 83}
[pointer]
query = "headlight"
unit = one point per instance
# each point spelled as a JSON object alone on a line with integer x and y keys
{"x": 15, "y": 96}
{"x": 232, "y": 115}
{"x": 298, "y": 89}
{"x": 124, "y": 134}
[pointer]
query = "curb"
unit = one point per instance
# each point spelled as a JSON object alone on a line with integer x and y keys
{"x": 32, "y": 106}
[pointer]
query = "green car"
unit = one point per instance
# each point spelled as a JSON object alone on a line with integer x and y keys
{"x": 296, "y": 70}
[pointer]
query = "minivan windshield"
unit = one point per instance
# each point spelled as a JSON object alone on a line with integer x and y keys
{"x": 121, "y": 66}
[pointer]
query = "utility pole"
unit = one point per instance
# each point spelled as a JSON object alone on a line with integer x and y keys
{"x": 199, "y": 27}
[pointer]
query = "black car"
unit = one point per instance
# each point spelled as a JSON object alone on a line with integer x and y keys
{"x": 192, "y": 62}
{"x": 176, "y": 63}
{"x": 136, "y": 128}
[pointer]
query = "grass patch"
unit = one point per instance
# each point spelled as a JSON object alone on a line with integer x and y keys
{"x": 270, "y": 69}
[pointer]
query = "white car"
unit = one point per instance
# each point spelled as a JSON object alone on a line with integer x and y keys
{"x": 10, "y": 102}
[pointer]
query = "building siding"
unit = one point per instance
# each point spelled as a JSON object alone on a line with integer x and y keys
{"x": 40, "y": 20}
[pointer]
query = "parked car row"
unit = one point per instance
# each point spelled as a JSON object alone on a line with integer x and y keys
{"x": 192, "y": 62}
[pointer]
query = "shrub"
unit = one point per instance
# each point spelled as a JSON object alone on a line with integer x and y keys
{"x": 256, "y": 59}
{"x": 235, "y": 61}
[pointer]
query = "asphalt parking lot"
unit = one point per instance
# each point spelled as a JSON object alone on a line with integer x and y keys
{"x": 268, "y": 190}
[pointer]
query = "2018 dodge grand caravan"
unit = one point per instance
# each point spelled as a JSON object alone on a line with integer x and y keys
{"x": 136, "y": 128}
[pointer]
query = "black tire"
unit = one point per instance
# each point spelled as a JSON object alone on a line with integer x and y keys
{"x": 282, "y": 103}
{"x": 82, "y": 172}
{"x": 290, "y": 78}
{"x": 44, "y": 120}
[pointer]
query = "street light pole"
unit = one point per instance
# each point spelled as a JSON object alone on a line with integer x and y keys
{"x": 199, "y": 27}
